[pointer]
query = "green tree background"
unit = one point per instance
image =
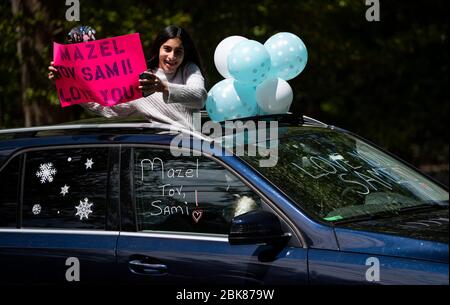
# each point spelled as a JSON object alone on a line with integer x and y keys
{"x": 386, "y": 80}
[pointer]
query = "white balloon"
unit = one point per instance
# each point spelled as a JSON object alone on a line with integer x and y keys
{"x": 222, "y": 51}
{"x": 274, "y": 96}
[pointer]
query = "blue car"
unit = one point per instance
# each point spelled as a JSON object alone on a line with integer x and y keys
{"x": 129, "y": 201}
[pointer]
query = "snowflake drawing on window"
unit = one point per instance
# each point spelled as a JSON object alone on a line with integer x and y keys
{"x": 89, "y": 163}
{"x": 84, "y": 209}
{"x": 36, "y": 209}
{"x": 64, "y": 190}
{"x": 46, "y": 172}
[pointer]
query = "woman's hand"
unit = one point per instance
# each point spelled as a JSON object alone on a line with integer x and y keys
{"x": 53, "y": 72}
{"x": 152, "y": 84}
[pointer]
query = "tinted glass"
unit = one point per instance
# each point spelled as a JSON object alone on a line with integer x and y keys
{"x": 335, "y": 176}
{"x": 187, "y": 194}
{"x": 66, "y": 188}
{"x": 9, "y": 187}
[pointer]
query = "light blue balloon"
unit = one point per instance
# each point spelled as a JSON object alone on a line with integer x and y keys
{"x": 229, "y": 99}
{"x": 249, "y": 62}
{"x": 288, "y": 55}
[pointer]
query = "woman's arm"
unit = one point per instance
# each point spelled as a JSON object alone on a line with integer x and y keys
{"x": 192, "y": 94}
{"x": 124, "y": 109}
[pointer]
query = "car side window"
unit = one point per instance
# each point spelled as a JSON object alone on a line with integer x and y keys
{"x": 9, "y": 186}
{"x": 191, "y": 194}
{"x": 65, "y": 188}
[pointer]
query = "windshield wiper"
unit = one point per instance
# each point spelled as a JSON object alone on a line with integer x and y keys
{"x": 365, "y": 217}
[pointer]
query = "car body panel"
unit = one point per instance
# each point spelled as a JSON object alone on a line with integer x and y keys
{"x": 41, "y": 256}
{"x": 343, "y": 267}
{"x": 207, "y": 260}
{"x": 391, "y": 245}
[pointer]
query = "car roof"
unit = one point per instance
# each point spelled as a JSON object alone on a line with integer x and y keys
{"x": 128, "y": 129}
{"x": 138, "y": 125}
{"x": 99, "y": 125}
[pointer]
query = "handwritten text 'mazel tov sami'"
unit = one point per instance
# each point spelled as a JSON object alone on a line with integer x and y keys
{"x": 159, "y": 207}
{"x": 104, "y": 71}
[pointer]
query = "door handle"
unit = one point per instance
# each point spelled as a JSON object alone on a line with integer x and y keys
{"x": 140, "y": 267}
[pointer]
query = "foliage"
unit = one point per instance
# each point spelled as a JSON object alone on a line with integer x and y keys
{"x": 387, "y": 80}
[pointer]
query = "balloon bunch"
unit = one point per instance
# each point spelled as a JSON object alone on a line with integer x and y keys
{"x": 255, "y": 75}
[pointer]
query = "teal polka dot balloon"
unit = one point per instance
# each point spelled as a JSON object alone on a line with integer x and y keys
{"x": 288, "y": 55}
{"x": 249, "y": 62}
{"x": 229, "y": 99}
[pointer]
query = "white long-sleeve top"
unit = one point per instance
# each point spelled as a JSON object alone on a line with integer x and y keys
{"x": 187, "y": 94}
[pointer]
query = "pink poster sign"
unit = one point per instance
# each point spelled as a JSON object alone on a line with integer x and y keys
{"x": 104, "y": 71}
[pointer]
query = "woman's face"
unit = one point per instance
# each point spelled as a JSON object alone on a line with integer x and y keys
{"x": 171, "y": 55}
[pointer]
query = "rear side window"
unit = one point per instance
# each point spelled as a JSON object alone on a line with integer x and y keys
{"x": 65, "y": 188}
{"x": 9, "y": 187}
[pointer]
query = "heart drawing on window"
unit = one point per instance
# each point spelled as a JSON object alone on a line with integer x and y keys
{"x": 196, "y": 215}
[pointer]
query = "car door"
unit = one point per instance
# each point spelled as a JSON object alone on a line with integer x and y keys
{"x": 64, "y": 230}
{"x": 176, "y": 215}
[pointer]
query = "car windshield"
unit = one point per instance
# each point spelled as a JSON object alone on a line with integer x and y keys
{"x": 336, "y": 177}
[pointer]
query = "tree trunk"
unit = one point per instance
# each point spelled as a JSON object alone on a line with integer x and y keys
{"x": 31, "y": 46}
{"x": 17, "y": 9}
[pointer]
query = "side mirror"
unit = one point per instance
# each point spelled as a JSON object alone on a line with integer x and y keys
{"x": 256, "y": 227}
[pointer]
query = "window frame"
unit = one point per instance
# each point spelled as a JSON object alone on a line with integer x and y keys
{"x": 112, "y": 215}
{"x": 19, "y": 184}
{"x": 298, "y": 239}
